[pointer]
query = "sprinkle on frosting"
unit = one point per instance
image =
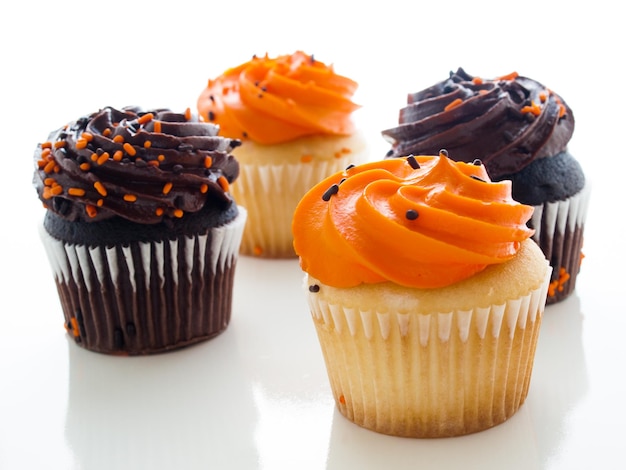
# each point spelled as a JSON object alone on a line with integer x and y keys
{"x": 141, "y": 166}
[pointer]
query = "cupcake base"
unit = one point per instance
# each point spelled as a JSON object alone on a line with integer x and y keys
{"x": 147, "y": 297}
{"x": 414, "y": 371}
{"x": 273, "y": 179}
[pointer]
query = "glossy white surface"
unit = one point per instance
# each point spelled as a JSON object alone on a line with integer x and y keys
{"x": 257, "y": 396}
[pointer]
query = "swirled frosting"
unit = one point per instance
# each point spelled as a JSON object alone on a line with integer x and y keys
{"x": 507, "y": 122}
{"x": 275, "y": 100}
{"x": 142, "y": 166}
{"x": 419, "y": 222}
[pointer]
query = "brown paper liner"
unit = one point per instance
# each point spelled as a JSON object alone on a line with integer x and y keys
{"x": 145, "y": 298}
{"x": 430, "y": 375}
{"x": 559, "y": 232}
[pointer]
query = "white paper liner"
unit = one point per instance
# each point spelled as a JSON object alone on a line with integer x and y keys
{"x": 430, "y": 375}
{"x": 271, "y": 194}
{"x": 559, "y": 231}
{"x": 147, "y": 296}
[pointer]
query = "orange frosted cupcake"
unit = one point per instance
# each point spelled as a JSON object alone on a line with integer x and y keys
{"x": 294, "y": 115}
{"x": 426, "y": 293}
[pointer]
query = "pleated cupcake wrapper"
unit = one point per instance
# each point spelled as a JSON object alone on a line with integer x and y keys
{"x": 271, "y": 194}
{"x": 147, "y": 297}
{"x": 430, "y": 375}
{"x": 559, "y": 229}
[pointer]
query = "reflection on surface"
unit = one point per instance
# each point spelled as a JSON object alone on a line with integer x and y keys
{"x": 179, "y": 410}
{"x": 560, "y": 375}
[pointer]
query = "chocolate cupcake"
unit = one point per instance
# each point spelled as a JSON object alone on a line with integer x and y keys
{"x": 140, "y": 228}
{"x": 520, "y": 130}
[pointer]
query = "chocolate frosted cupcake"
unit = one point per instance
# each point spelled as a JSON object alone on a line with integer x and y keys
{"x": 520, "y": 130}
{"x": 140, "y": 228}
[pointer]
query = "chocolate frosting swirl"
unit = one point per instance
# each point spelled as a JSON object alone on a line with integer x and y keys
{"x": 507, "y": 122}
{"x": 142, "y": 166}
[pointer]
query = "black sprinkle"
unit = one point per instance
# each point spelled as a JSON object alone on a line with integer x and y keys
{"x": 118, "y": 338}
{"x": 314, "y": 288}
{"x": 477, "y": 178}
{"x": 411, "y": 160}
{"x": 245, "y": 134}
{"x": 263, "y": 88}
{"x": 443, "y": 152}
{"x": 350, "y": 166}
{"x": 412, "y": 214}
{"x": 342, "y": 180}
{"x": 334, "y": 189}
{"x": 212, "y": 98}
{"x": 477, "y": 162}
{"x": 234, "y": 143}
{"x": 390, "y": 153}
{"x": 211, "y": 116}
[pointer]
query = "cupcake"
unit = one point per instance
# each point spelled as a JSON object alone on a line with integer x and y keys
{"x": 140, "y": 228}
{"x": 520, "y": 129}
{"x": 426, "y": 293}
{"x": 293, "y": 114}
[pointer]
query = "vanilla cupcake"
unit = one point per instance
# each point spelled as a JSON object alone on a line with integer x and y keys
{"x": 294, "y": 116}
{"x": 426, "y": 293}
{"x": 520, "y": 129}
{"x": 140, "y": 228}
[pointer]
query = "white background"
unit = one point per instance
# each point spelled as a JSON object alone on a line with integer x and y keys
{"x": 257, "y": 396}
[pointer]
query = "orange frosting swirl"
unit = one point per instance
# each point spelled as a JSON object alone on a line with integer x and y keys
{"x": 421, "y": 222}
{"x": 275, "y": 100}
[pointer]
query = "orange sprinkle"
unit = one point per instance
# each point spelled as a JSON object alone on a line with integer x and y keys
{"x": 103, "y": 158}
{"x": 562, "y": 111}
{"x": 75, "y": 330}
{"x": 534, "y": 109}
{"x": 543, "y": 96}
{"x": 130, "y": 150}
{"x": 258, "y": 251}
{"x": 510, "y": 76}
{"x": 208, "y": 161}
{"x": 157, "y": 126}
{"x": 204, "y": 188}
{"x": 106, "y": 132}
{"x": 59, "y": 143}
{"x": 57, "y": 168}
{"x": 306, "y": 158}
{"x": 346, "y": 150}
{"x": 153, "y": 163}
{"x": 41, "y": 163}
{"x": 94, "y": 157}
{"x": 100, "y": 188}
{"x": 337, "y": 154}
{"x": 145, "y": 118}
{"x": 46, "y": 194}
{"x": 118, "y": 139}
{"x": 76, "y": 192}
{"x": 100, "y": 202}
{"x": 49, "y": 167}
{"x": 81, "y": 144}
{"x": 46, "y": 145}
{"x": 477, "y": 81}
{"x": 342, "y": 400}
{"x": 56, "y": 190}
{"x": 117, "y": 156}
{"x": 482, "y": 92}
{"x": 188, "y": 114}
{"x": 88, "y": 136}
{"x": 161, "y": 157}
{"x": 85, "y": 166}
{"x": 223, "y": 182}
{"x": 453, "y": 104}
{"x": 167, "y": 188}
{"x": 130, "y": 197}
{"x": 147, "y": 144}
{"x": 158, "y": 212}
{"x": 178, "y": 213}
{"x": 91, "y": 210}
{"x": 46, "y": 152}
{"x": 49, "y": 181}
